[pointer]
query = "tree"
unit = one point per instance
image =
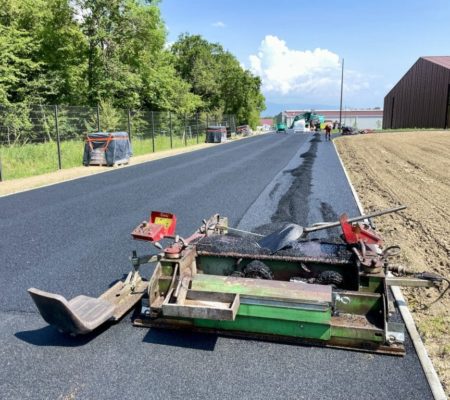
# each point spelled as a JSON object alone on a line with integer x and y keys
{"x": 218, "y": 78}
{"x": 196, "y": 61}
{"x": 86, "y": 52}
{"x": 20, "y": 66}
{"x": 127, "y": 62}
{"x": 63, "y": 52}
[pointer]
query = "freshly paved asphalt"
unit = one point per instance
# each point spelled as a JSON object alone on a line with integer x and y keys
{"x": 73, "y": 238}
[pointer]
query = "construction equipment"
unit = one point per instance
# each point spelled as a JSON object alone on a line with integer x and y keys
{"x": 281, "y": 127}
{"x": 280, "y": 287}
{"x": 311, "y": 120}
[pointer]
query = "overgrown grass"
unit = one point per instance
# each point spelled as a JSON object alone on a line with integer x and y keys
{"x": 36, "y": 159}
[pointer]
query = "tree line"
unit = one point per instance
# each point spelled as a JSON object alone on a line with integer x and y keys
{"x": 115, "y": 52}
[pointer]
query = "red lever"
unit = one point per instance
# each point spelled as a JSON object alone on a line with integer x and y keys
{"x": 161, "y": 224}
{"x": 354, "y": 233}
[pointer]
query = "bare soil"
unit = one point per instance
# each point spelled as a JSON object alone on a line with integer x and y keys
{"x": 412, "y": 169}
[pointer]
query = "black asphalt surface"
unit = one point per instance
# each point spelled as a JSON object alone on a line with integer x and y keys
{"x": 74, "y": 238}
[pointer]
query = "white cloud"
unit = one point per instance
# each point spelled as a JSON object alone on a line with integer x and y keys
{"x": 168, "y": 45}
{"x": 308, "y": 73}
{"x": 219, "y": 24}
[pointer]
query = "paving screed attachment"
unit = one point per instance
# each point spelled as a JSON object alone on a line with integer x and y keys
{"x": 283, "y": 287}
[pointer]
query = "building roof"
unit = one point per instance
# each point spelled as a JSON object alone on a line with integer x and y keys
{"x": 443, "y": 61}
{"x": 266, "y": 121}
{"x": 334, "y": 114}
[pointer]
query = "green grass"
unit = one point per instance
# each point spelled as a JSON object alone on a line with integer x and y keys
{"x": 434, "y": 327}
{"x": 145, "y": 146}
{"x": 36, "y": 159}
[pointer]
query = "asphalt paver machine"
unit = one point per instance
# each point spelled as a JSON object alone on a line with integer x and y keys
{"x": 283, "y": 287}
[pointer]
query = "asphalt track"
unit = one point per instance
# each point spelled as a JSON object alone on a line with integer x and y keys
{"x": 73, "y": 238}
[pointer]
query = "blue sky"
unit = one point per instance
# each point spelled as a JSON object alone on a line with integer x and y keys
{"x": 296, "y": 46}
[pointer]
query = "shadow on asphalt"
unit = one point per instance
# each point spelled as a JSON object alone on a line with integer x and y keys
{"x": 49, "y": 336}
{"x": 190, "y": 340}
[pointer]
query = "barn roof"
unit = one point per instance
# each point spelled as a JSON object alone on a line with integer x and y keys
{"x": 334, "y": 114}
{"x": 443, "y": 61}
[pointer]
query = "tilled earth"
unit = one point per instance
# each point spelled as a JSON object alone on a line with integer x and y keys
{"x": 411, "y": 168}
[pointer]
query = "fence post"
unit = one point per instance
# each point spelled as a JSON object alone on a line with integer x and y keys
{"x": 170, "y": 129}
{"x": 153, "y": 131}
{"x": 58, "y": 141}
{"x": 198, "y": 128}
{"x": 185, "y": 127}
{"x": 1, "y": 174}
{"x": 98, "y": 118}
{"x": 129, "y": 124}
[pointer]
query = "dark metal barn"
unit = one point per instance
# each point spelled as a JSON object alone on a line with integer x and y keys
{"x": 421, "y": 99}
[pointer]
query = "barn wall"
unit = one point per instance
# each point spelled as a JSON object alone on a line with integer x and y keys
{"x": 419, "y": 99}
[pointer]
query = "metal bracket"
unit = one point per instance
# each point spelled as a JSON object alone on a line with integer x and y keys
{"x": 395, "y": 332}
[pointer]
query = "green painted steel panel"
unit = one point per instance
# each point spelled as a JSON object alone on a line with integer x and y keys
{"x": 371, "y": 283}
{"x": 286, "y": 314}
{"x": 360, "y": 333}
{"x": 360, "y": 304}
{"x": 312, "y": 294}
{"x": 270, "y": 326}
{"x": 167, "y": 268}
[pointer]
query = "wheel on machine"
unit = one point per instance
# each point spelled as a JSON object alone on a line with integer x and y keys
{"x": 332, "y": 278}
{"x": 257, "y": 270}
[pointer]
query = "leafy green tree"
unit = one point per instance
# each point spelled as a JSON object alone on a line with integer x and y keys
{"x": 20, "y": 66}
{"x": 163, "y": 89}
{"x": 63, "y": 52}
{"x": 109, "y": 121}
{"x": 197, "y": 63}
{"x": 218, "y": 78}
{"x": 112, "y": 52}
{"x": 16, "y": 123}
{"x": 127, "y": 62}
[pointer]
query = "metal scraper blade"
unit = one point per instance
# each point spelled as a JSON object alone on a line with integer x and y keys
{"x": 282, "y": 238}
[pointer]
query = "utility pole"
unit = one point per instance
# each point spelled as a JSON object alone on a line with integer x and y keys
{"x": 342, "y": 90}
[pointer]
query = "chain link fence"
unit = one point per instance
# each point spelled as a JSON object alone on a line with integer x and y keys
{"x": 35, "y": 139}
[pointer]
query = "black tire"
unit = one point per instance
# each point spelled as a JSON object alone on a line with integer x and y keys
{"x": 332, "y": 278}
{"x": 258, "y": 270}
{"x": 237, "y": 274}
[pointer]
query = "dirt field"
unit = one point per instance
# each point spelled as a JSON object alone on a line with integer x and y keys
{"x": 412, "y": 169}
